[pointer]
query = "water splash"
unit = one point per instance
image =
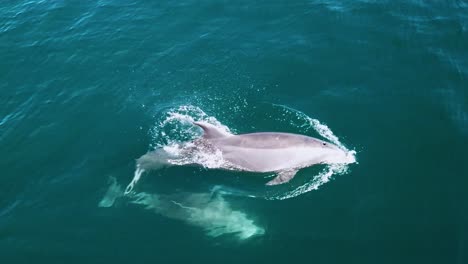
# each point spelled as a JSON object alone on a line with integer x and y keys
{"x": 169, "y": 149}
{"x": 176, "y": 125}
{"x": 205, "y": 156}
{"x": 314, "y": 124}
{"x": 318, "y": 180}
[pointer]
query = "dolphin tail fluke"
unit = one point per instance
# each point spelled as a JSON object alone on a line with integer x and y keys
{"x": 282, "y": 177}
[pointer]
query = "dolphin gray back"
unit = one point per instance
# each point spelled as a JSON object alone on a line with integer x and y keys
{"x": 260, "y": 140}
{"x": 270, "y": 140}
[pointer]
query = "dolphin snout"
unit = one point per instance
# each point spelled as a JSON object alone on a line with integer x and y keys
{"x": 341, "y": 156}
{"x": 346, "y": 156}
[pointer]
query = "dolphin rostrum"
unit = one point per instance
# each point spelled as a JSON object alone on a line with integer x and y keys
{"x": 281, "y": 153}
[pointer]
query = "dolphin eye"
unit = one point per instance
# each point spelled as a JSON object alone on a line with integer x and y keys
{"x": 324, "y": 143}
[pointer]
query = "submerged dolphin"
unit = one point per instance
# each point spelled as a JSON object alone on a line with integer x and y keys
{"x": 281, "y": 153}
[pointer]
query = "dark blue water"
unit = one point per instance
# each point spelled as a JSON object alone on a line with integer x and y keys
{"x": 87, "y": 87}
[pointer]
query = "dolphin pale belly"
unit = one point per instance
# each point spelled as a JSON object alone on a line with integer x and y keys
{"x": 281, "y": 153}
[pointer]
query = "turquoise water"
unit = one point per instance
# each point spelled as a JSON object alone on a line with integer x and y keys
{"x": 87, "y": 87}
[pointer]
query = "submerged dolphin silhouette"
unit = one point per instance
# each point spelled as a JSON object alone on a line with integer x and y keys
{"x": 282, "y": 153}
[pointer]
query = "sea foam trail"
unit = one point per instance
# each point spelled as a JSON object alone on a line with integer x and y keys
{"x": 209, "y": 211}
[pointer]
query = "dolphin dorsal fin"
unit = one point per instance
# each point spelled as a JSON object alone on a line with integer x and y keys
{"x": 211, "y": 131}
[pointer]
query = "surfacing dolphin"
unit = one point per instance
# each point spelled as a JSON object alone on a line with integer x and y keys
{"x": 281, "y": 153}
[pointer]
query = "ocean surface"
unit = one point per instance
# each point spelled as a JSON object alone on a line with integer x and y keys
{"x": 88, "y": 87}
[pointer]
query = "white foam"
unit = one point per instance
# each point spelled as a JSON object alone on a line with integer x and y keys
{"x": 320, "y": 179}
{"x": 311, "y": 123}
{"x": 180, "y": 121}
{"x": 325, "y": 131}
{"x": 185, "y": 154}
{"x": 136, "y": 177}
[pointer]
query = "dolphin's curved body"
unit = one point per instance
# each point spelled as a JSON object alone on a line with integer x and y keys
{"x": 281, "y": 153}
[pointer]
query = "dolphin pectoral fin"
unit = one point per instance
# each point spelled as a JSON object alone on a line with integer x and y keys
{"x": 282, "y": 177}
